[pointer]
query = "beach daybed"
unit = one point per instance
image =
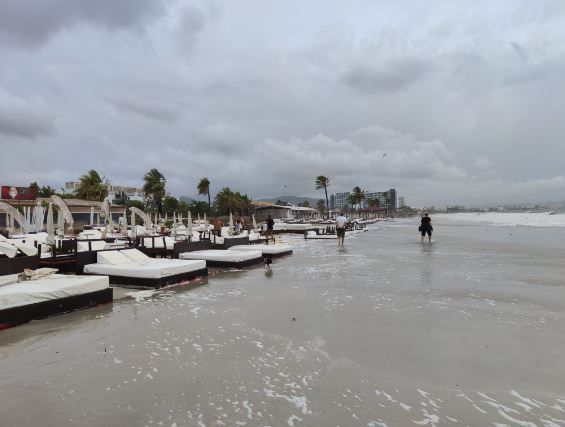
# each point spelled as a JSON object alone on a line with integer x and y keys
{"x": 276, "y": 250}
{"x": 316, "y": 235}
{"x": 48, "y": 296}
{"x": 132, "y": 268}
{"x": 217, "y": 257}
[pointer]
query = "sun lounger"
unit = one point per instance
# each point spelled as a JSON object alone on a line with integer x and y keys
{"x": 49, "y": 296}
{"x": 132, "y": 268}
{"x": 217, "y": 257}
{"x": 276, "y": 250}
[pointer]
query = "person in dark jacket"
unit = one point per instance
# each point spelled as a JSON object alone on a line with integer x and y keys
{"x": 426, "y": 227}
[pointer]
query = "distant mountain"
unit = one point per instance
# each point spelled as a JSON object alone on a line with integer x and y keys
{"x": 295, "y": 200}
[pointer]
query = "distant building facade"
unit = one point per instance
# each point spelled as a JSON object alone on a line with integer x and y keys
{"x": 387, "y": 200}
{"x": 114, "y": 191}
{"x": 339, "y": 200}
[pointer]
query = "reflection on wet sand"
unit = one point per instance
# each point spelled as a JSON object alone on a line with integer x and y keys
{"x": 383, "y": 332}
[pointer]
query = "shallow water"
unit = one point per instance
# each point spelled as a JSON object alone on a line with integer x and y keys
{"x": 468, "y": 330}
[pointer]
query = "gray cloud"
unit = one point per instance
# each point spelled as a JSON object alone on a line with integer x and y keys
{"x": 28, "y": 22}
{"x": 390, "y": 78}
{"x": 262, "y": 100}
{"x": 148, "y": 110}
{"x": 22, "y": 118}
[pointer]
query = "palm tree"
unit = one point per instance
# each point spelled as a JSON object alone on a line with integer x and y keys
{"x": 358, "y": 196}
{"x": 321, "y": 206}
{"x": 373, "y": 203}
{"x": 225, "y": 200}
{"x": 154, "y": 187}
{"x": 323, "y": 182}
{"x": 92, "y": 187}
{"x": 203, "y": 188}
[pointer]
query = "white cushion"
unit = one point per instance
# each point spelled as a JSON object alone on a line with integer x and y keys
{"x": 8, "y": 249}
{"x": 112, "y": 257}
{"x": 222, "y": 255}
{"x": 27, "y": 249}
{"x": 153, "y": 269}
{"x": 49, "y": 288}
{"x": 96, "y": 245}
{"x": 135, "y": 255}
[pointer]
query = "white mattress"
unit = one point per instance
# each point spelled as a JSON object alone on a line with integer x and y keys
{"x": 313, "y": 235}
{"x": 49, "y": 288}
{"x": 153, "y": 269}
{"x": 222, "y": 255}
{"x": 277, "y": 248}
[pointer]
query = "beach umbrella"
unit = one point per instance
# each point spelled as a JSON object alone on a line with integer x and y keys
{"x": 166, "y": 216}
{"x": 50, "y": 226}
{"x": 125, "y": 224}
{"x": 91, "y": 216}
{"x": 175, "y": 224}
{"x": 64, "y": 211}
{"x": 180, "y": 219}
{"x": 231, "y": 222}
{"x": 60, "y": 223}
{"x": 198, "y": 217}
{"x": 205, "y": 220}
{"x": 9, "y": 223}
{"x": 133, "y": 226}
{"x": 38, "y": 217}
{"x": 254, "y": 222}
{"x": 189, "y": 225}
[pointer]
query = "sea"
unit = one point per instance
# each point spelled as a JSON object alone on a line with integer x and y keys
{"x": 387, "y": 331}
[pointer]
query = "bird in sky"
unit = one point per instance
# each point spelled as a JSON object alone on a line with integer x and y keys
{"x": 384, "y": 155}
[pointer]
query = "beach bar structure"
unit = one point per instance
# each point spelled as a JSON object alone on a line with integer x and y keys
{"x": 287, "y": 212}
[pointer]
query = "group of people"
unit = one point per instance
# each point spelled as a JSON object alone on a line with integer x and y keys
{"x": 425, "y": 227}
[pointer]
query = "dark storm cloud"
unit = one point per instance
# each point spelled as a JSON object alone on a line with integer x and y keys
{"x": 461, "y": 96}
{"x": 148, "y": 110}
{"x": 30, "y": 22}
{"x": 389, "y": 78}
{"x": 22, "y": 118}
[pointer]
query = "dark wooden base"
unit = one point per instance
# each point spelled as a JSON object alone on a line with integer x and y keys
{"x": 232, "y": 264}
{"x": 143, "y": 283}
{"x": 285, "y": 253}
{"x": 17, "y": 315}
{"x": 64, "y": 263}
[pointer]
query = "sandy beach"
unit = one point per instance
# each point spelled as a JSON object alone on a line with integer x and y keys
{"x": 385, "y": 332}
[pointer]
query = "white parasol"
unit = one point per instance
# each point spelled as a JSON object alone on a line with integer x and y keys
{"x": 60, "y": 223}
{"x": 64, "y": 210}
{"x": 133, "y": 226}
{"x": 125, "y": 223}
{"x": 38, "y": 217}
{"x": 231, "y": 222}
{"x": 254, "y": 222}
{"x": 50, "y": 226}
{"x": 189, "y": 225}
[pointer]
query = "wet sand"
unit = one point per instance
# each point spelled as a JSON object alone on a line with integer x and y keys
{"x": 466, "y": 331}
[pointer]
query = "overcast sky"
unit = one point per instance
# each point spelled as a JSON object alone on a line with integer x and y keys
{"x": 465, "y": 98}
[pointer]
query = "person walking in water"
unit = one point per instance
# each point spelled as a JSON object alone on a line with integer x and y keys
{"x": 270, "y": 227}
{"x": 340, "y": 223}
{"x": 426, "y": 227}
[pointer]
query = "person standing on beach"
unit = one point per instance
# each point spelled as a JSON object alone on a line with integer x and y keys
{"x": 340, "y": 223}
{"x": 426, "y": 227}
{"x": 270, "y": 227}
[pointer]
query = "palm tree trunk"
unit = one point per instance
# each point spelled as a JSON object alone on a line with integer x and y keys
{"x": 327, "y": 202}
{"x": 209, "y": 204}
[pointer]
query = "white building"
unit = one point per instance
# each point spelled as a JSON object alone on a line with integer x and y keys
{"x": 114, "y": 191}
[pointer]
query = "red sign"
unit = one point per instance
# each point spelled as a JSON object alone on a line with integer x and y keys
{"x": 18, "y": 193}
